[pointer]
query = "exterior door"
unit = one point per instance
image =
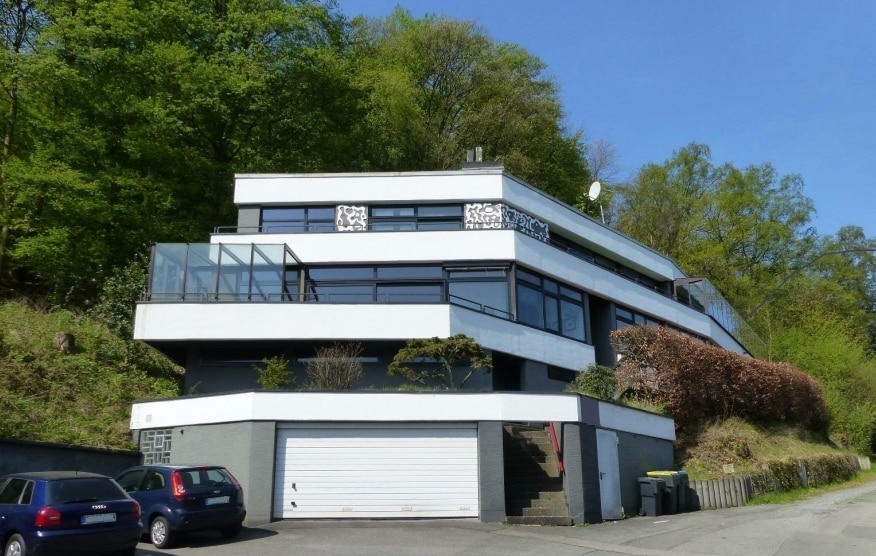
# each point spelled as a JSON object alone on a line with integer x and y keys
{"x": 609, "y": 474}
{"x": 350, "y": 471}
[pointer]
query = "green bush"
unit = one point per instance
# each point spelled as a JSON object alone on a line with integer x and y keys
{"x": 274, "y": 373}
{"x": 598, "y": 381}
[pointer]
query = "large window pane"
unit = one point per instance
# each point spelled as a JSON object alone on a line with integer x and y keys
{"x": 573, "y": 320}
{"x": 201, "y": 270}
{"x": 530, "y": 306}
{"x": 409, "y": 293}
{"x": 321, "y": 213}
{"x": 347, "y": 293}
{"x": 168, "y": 269}
{"x": 552, "y": 313}
{"x": 439, "y": 210}
{"x": 234, "y": 272}
{"x": 405, "y": 272}
{"x": 342, "y": 273}
{"x": 391, "y": 212}
{"x": 528, "y": 277}
{"x": 282, "y": 214}
{"x": 379, "y": 226}
{"x": 437, "y": 225}
{"x": 489, "y": 297}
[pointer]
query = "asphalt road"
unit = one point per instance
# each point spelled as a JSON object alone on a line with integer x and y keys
{"x": 841, "y": 523}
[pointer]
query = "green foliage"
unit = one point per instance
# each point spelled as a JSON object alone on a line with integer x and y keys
{"x": 83, "y": 398}
{"x": 274, "y": 373}
{"x": 740, "y": 228}
{"x": 596, "y": 380}
{"x": 335, "y": 367}
{"x": 119, "y": 295}
{"x": 440, "y": 360}
{"x": 437, "y": 87}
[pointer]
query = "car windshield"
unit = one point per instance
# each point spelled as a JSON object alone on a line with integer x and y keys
{"x": 193, "y": 478}
{"x": 72, "y": 491}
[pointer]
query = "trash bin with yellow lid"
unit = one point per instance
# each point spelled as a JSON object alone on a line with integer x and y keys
{"x": 670, "y": 498}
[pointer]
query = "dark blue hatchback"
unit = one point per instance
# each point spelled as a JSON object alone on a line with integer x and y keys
{"x": 181, "y": 498}
{"x": 66, "y": 513}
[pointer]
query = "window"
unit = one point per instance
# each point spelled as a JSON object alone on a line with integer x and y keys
{"x": 549, "y": 305}
{"x": 370, "y": 284}
{"x": 298, "y": 219}
{"x": 420, "y": 217}
{"x": 482, "y": 289}
{"x": 12, "y": 490}
{"x": 625, "y": 317}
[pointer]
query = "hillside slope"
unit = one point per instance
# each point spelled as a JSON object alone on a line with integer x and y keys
{"x": 80, "y": 398}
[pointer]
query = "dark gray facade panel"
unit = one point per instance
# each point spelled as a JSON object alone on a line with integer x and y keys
{"x": 249, "y": 219}
{"x": 637, "y": 455}
{"x": 246, "y": 448}
{"x": 602, "y": 322}
{"x": 582, "y": 473}
{"x": 491, "y": 472}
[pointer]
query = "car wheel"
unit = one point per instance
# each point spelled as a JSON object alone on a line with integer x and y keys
{"x": 159, "y": 532}
{"x": 15, "y": 546}
{"x": 231, "y": 531}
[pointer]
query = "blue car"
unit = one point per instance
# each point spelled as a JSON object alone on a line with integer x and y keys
{"x": 182, "y": 498}
{"x": 66, "y": 513}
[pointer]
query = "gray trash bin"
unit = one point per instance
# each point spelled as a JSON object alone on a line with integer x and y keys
{"x": 670, "y": 499}
{"x": 685, "y": 504}
{"x": 652, "y": 492}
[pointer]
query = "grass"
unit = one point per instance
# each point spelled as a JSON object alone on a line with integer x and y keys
{"x": 735, "y": 446}
{"x": 82, "y": 398}
{"x": 864, "y": 477}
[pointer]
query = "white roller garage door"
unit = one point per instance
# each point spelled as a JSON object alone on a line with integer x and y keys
{"x": 373, "y": 470}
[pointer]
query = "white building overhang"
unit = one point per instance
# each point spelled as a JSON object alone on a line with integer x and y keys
{"x": 395, "y": 407}
{"x": 218, "y": 321}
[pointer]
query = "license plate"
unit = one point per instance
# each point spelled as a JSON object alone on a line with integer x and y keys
{"x": 216, "y": 500}
{"x": 98, "y": 518}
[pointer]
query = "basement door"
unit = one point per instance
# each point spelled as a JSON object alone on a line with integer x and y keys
{"x": 350, "y": 471}
{"x": 609, "y": 474}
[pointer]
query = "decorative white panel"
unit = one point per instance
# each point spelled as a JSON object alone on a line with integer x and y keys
{"x": 481, "y": 216}
{"x": 350, "y": 218}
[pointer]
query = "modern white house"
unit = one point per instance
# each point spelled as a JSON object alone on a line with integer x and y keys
{"x": 381, "y": 258}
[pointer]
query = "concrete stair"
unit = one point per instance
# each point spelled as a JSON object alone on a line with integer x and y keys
{"x": 533, "y": 484}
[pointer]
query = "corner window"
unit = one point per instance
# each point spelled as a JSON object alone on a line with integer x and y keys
{"x": 549, "y": 305}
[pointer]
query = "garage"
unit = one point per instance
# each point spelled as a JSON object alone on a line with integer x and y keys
{"x": 367, "y": 470}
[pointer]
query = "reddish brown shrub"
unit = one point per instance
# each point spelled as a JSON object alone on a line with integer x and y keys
{"x": 697, "y": 382}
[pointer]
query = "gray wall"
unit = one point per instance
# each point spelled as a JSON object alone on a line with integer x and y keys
{"x": 249, "y": 219}
{"x": 22, "y": 455}
{"x": 639, "y": 454}
{"x": 491, "y": 472}
{"x": 246, "y": 449}
{"x": 581, "y": 480}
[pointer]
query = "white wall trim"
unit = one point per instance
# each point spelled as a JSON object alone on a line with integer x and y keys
{"x": 389, "y": 407}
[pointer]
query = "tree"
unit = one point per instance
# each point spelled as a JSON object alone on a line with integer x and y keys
{"x": 335, "y": 367}
{"x": 140, "y": 114}
{"x": 439, "y": 86}
{"x": 440, "y": 361}
{"x": 741, "y": 229}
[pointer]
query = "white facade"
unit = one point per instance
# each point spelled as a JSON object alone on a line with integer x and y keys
{"x": 502, "y": 223}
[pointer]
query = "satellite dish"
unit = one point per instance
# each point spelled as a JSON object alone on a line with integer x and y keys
{"x": 595, "y": 189}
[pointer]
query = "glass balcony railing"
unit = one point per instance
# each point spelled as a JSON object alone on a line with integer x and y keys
{"x": 700, "y": 294}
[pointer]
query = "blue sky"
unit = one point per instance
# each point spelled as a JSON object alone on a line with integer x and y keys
{"x": 789, "y": 82}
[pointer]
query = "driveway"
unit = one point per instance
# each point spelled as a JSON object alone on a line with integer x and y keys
{"x": 841, "y": 523}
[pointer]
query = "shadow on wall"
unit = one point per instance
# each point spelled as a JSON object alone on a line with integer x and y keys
{"x": 24, "y": 455}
